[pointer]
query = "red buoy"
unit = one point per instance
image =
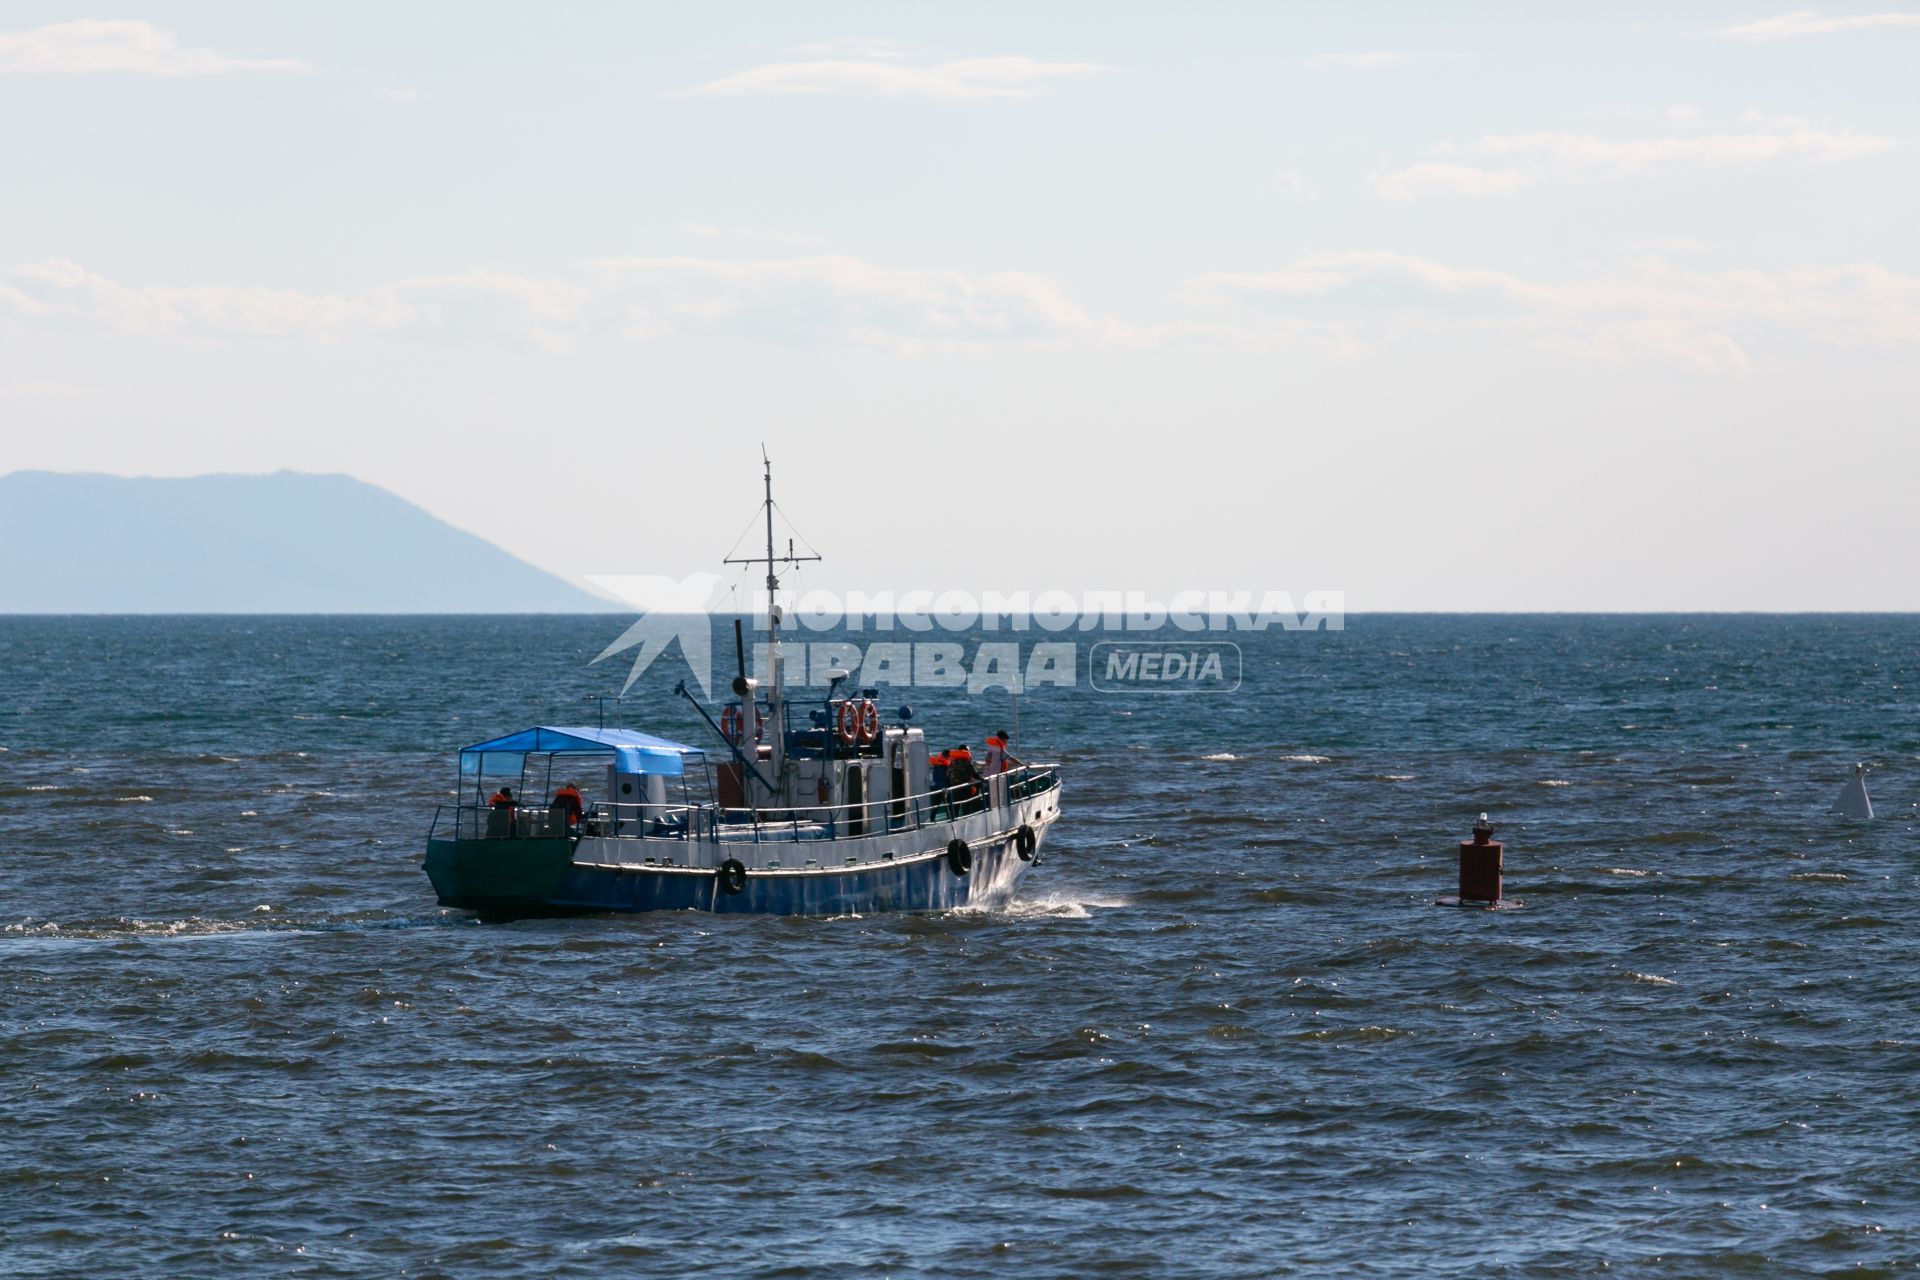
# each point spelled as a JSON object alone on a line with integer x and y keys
{"x": 1482, "y": 866}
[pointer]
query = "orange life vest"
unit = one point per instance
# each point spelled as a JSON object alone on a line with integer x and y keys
{"x": 960, "y": 766}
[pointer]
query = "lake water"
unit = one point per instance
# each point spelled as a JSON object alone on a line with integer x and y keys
{"x": 1223, "y": 1033}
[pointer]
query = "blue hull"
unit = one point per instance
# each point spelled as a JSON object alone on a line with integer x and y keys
{"x": 922, "y": 884}
{"x": 925, "y": 883}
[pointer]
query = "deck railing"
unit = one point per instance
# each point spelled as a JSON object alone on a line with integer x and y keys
{"x": 875, "y": 816}
{"x": 884, "y": 814}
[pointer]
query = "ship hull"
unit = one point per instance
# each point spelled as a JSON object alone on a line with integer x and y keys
{"x": 505, "y": 879}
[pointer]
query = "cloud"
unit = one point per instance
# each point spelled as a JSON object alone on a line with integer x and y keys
{"x": 1433, "y": 178}
{"x": 1006, "y": 77}
{"x": 94, "y": 45}
{"x": 1297, "y": 184}
{"x": 820, "y": 297}
{"x": 1808, "y": 22}
{"x": 1372, "y": 61}
{"x": 1530, "y": 158}
{"x": 1649, "y": 308}
{"x": 786, "y": 239}
{"x": 852, "y": 46}
{"x": 1575, "y": 157}
{"x": 1337, "y": 301}
{"x": 63, "y": 292}
{"x": 804, "y": 300}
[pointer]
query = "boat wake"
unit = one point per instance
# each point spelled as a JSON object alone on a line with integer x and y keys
{"x": 126, "y": 928}
{"x": 1058, "y": 906}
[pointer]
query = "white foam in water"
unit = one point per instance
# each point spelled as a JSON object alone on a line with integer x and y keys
{"x": 1221, "y": 756}
{"x": 1309, "y": 759}
{"x": 1651, "y": 979}
{"x": 1554, "y": 782}
{"x": 1060, "y": 906}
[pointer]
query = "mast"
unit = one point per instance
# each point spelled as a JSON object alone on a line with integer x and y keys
{"x": 776, "y": 695}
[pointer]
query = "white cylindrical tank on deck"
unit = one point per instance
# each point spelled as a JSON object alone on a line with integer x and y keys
{"x": 916, "y": 762}
{"x": 628, "y": 791}
{"x": 749, "y": 711}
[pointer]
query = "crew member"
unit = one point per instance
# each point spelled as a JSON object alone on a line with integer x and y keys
{"x": 937, "y": 771}
{"x": 1007, "y": 760}
{"x": 994, "y": 759}
{"x": 962, "y": 778}
{"x": 502, "y": 799}
{"x": 567, "y": 795}
{"x": 960, "y": 769}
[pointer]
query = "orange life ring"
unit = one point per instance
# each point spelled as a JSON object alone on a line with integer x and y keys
{"x": 869, "y": 721}
{"x": 731, "y": 717}
{"x": 848, "y": 721}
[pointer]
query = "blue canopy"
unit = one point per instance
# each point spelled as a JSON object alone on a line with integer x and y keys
{"x": 633, "y": 752}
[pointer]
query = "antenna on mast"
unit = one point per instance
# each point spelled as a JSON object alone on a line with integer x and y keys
{"x": 776, "y": 700}
{"x": 772, "y": 559}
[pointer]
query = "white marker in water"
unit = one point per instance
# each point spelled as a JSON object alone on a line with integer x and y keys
{"x": 1852, "y": 802}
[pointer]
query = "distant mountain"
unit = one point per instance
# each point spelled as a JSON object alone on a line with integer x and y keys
{"x": 283, "y": 543}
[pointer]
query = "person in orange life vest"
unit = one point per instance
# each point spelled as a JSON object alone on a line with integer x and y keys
{"x": 962, "y": 779}
{"x": 960, "y": 766}
{"x": 998, "y": 759}
{"x": 502, "y": 799}
{"x": 937, "y": 771}
{"x": 1007, "y": 759}
{"x": 568, "y": 795}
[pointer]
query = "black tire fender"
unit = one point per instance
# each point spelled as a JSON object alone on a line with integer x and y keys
{"x": 1025, "y": 842}
{"x": 959, "y": 857}
{"x": 732, "y": 875}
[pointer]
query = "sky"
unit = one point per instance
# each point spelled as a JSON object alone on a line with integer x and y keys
{"x": 1494, "y": 307}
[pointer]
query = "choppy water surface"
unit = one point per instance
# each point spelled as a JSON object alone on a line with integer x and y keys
{"x": 1224, "y": 1033}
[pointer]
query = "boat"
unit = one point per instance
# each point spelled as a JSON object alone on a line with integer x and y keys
{"x": 803, "y": 806}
